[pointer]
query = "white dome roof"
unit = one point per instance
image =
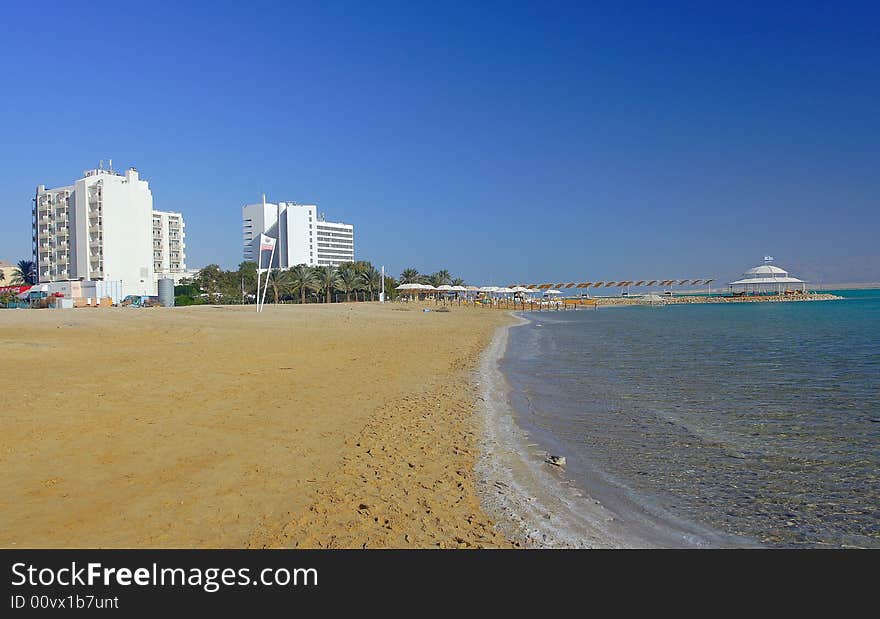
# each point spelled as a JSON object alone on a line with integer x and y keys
{"x": 765, "y": 270}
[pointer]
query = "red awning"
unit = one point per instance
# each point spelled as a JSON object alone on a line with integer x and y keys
{"x": 15, "y": 289}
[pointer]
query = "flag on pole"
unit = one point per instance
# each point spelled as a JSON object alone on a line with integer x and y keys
{"x": 266, "y": 243}
{"x": 768, "y": 258}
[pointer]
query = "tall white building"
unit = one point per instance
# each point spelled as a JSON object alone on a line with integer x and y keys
{"x": 304, "y": 236}
{"x": 169, "y": 245}
{"x": 100, "y": 228}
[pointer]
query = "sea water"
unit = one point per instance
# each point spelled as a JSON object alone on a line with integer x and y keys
{"x": 757, "y": 420}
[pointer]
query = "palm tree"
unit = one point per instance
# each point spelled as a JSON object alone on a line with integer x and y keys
{"x": 391, "y": 287}
{"x": 348, "y": 279}
{"x": 410, "y": 276}
{"x": 25, "y": 272}
{"x": 302, "y": 279}
{"x": 371, "y": 279}
{"x": 279, "y": 280}
{"x": 438, "y": 279}
{"x": 326, "y": 276}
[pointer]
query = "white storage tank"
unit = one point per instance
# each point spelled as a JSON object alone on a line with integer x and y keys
{"x": 166, "y": 292}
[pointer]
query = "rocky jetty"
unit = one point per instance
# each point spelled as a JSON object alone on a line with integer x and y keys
{"x": 676, "y": 300}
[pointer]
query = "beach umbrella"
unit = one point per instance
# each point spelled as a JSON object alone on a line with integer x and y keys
{"x": 520, "y": 289}
{"x": 459, "y": 289}
{"x": 505, "y": 290}
{"x": 445, "y": 287}
{"x": 553, "y": 292}
{"x": 408, "y": 287}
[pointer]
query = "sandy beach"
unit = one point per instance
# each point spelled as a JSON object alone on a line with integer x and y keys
{"x": 348, "y": 425}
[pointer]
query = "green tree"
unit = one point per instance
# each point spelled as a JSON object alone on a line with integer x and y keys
{"x": 247, "y": 277}
{"x": 439, "y": 278}
{"x": 209, "y": 278}
{"x": 25, "y": 272}
{"x": 326, "y": 276}
{"x": 348, "y": 280}
{"x": 303, "y": 279}
{"x": 279, "y": 282}
{"x": 371, "y": 280}
{"x": 410, "y": 276}
{"x": 458, "y": 282}
{"x": 391, "y": 287}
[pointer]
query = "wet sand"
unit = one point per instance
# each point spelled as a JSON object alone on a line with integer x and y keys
{"x": 348, "y": 425}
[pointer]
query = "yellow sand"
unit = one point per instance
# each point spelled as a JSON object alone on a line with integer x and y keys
{"x": 348, "y": 425}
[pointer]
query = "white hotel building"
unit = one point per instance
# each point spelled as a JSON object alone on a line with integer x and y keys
{"x": 169, "y": 257}
{"x": 304, "y": 236}
{"x": 101, "y": 228}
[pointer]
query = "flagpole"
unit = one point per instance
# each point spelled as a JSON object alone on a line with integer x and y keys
{"x": 259, "y": 264}
{"x": 268, "y": 271}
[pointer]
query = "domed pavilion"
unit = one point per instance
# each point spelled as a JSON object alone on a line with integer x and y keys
{"x": 767, "y": 278}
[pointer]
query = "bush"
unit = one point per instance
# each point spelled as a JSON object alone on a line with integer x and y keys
{"x": 187, "y": 290}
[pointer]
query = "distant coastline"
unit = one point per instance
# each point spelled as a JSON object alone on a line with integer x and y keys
{"x": 862, "y": 286}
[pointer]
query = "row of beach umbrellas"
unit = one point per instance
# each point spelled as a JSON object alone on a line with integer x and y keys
{"x": 550, "y": 289}
{"x": 489, "y": 289}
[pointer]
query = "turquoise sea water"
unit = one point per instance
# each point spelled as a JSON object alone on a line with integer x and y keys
{"x": 759, "y": 420}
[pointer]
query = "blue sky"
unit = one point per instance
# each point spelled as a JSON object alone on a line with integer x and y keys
{"x": 505, "y": 142}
